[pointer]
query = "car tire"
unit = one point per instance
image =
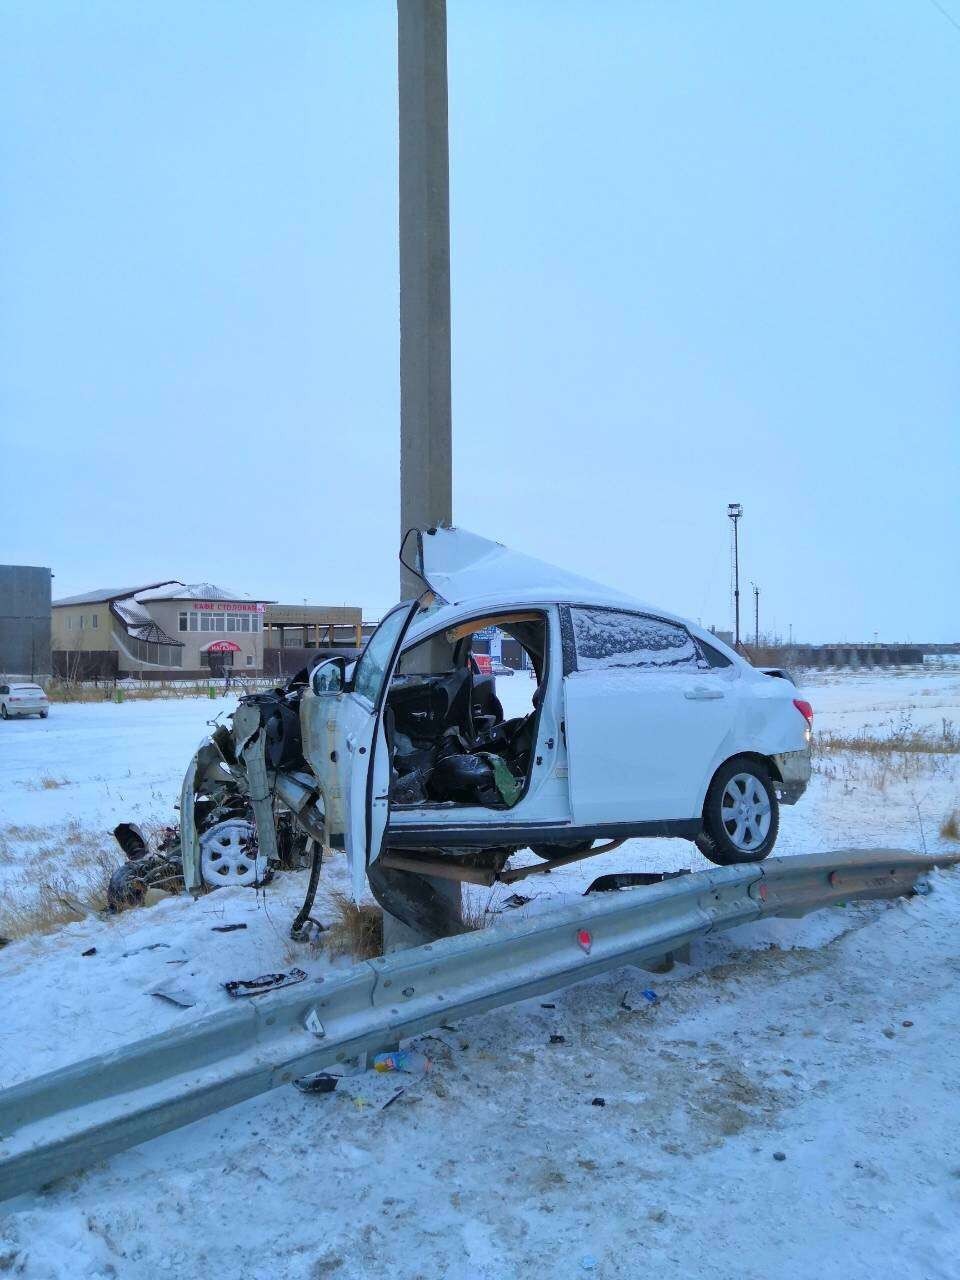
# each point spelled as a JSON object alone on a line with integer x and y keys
{"x": 741, "y": 814}
{"x": 44, "y": 714}
{"x": 4, "y": 712}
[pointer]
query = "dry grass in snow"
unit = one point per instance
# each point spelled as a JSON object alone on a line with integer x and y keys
{"x": 904, "y": 753}
{"x": 356, "y": 931}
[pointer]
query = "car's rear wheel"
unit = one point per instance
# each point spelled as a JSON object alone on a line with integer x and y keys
{"x": 741, "y": 814}
{"x": 3, "y": 711}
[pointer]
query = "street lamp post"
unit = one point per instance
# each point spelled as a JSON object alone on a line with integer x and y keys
{"x": 734, "y": 512}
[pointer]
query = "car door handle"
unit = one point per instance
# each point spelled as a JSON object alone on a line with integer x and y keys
{"x": 700, "y": 694}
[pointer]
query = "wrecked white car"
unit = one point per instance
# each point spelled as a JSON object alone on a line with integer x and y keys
{"x": 641, "y": 724}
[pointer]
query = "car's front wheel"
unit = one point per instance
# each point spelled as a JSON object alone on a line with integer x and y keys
{"x": 741, "y": 814}
{"x": 3, "y": 710}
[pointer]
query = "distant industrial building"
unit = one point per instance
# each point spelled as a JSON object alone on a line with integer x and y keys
{"x": 160, "y": 630}
{"x": 295, "y": 634}
{"x": 24, "y": 621}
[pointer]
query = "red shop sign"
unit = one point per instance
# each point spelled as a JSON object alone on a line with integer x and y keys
{"x": 223, "y": 646}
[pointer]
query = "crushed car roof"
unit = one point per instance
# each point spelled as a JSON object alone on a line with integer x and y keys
{"x": 462, "y": 566}
{"x": 469, "y": 571}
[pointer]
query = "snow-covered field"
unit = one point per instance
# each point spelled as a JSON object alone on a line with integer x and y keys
{"x": 829, "y": 1041}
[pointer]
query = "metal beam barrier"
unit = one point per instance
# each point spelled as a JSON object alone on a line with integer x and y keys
{"x": 74, "y": 1117}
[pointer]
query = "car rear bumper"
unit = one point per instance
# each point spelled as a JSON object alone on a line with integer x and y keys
{"x": 795, "y": 769}
{"x": 36, "y": 709}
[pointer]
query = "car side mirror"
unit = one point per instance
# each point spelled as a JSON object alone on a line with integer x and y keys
{"x": 329, "y": 676}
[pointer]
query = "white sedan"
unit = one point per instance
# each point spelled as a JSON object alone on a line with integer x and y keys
{"x": 23, "y": 700}
{"x": 640, "y": 724}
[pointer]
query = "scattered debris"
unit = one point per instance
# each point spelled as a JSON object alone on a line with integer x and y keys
{"x": 889, "y": 1032}
{"x": 779, "y": 1155}
{"x": 226, "y": 928}
{"x": 319, "y": 1082}
{"x": 555, "y": 1039}
{"x": 402, "y": 1060}
{"x": 650, "y": 996}
{"x": 631, "y": 880}
{"x": 127, "y": 887}
{"x": 370, "y": 1090}
{"x": 174, "y": 994}
{"x": 148, "y": 946}
{"x": 548, "y": 1006}
{"x": 599, "y": 1102}
{"x": 90, "y": 951}
{"x": 266, "y": 982}
{"x": 906, "y": 1023}
{"x": 588, "y": 1262}
{"x": 624, "y": 1005}
{"x": 517, "y": 900}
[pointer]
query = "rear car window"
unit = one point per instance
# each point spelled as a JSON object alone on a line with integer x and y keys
{"x": 713, "y": 656}
{"x": 606, "y": 638}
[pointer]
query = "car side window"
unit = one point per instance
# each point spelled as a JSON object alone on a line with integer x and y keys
{"x": 4, "y": 688}
{"x": 607, "y": 639}
{"x": 714, "y": 657}
{"x": 371, "y": 670}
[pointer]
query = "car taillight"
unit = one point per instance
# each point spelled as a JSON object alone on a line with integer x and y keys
{"x": 805, "y": 710}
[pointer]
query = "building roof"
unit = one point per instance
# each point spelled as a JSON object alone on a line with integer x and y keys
{"x": 103, "y": 594}
{"x": 168, "y": 589}
{"x": 131, "y": 613}
{"x": 195, "y": 591}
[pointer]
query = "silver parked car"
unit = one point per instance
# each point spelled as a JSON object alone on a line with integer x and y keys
{"x": 23, "y": 700}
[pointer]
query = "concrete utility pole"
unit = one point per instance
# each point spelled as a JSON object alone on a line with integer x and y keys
{"x": 426, "y": 479}
{"x": 426, "y": 485}
{"x": 756, "y": 615}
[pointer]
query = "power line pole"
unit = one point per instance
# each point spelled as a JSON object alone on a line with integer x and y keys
{"x": 426, "y": 469}
{"x": 426, "y": 478}
{"x": 756, "y": 615}
{"x": 734, "y": 512}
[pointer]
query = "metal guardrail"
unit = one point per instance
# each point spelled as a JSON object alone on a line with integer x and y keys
{"x": 73, "y": 1117}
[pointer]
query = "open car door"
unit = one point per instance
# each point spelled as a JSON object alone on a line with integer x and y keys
{"x": 345, "y": 744}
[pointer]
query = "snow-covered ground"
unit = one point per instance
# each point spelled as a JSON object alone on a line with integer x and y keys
{"x": 787, "y": 1038}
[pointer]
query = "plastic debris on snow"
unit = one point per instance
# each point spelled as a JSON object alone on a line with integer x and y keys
{"x": 370, "y": 1091}
{"x": 407, "y": 1060}
{"x": 238, "y": 987}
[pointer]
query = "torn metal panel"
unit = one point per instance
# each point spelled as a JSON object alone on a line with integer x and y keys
{"x": 253, "y": 755}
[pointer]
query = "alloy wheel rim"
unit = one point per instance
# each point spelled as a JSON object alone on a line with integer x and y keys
{"x": 745, "y": 812}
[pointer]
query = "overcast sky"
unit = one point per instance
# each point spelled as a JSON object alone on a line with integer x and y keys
{"x": 701, "y": 252}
